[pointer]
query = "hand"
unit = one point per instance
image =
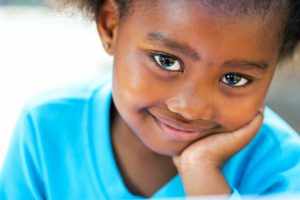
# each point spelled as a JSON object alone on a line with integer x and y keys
{"x": 200, "y": 163}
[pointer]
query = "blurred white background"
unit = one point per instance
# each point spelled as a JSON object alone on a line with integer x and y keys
{"x": 41, "y": 49}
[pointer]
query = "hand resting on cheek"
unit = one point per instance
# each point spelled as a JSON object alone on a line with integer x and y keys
{"x": 200, "y": 163}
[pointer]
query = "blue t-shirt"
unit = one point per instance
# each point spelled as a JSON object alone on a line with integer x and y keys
{"x": 61, "y": 149}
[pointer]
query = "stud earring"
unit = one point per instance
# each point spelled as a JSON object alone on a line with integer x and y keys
{"x": 107, "y": 46}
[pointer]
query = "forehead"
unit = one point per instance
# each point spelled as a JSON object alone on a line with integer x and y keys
{"x": 230, "y": 10}
{"x": 267, "y": 14}
{"x": 200, "y": 26}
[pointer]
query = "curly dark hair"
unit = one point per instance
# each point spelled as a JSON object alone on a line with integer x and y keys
{"x": 290, "y": 35}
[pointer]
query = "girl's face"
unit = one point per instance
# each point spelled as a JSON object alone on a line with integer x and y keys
{"x": 181, "y": 72}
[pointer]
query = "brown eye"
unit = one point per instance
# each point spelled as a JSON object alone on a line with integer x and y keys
{"x": 235, "y": 80}
{"x": 167, "y": 62}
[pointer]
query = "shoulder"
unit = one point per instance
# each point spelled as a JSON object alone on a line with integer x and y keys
{"x": 276, "y": 142}
{"x": 72, "y": 98}
{"x": 62, "y": 117}
{"x": 277, "y": 131}
{"x": 65, "y": 111}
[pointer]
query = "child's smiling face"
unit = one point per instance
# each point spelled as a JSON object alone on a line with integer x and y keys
{"x": 181, "y": 72}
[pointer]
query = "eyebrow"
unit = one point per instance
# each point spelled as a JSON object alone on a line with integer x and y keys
{"x": 157, "y": 37}
{"x": 261, "y": 66}
{"x": 185, "y": 49}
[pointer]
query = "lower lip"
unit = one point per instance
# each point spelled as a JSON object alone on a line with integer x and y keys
{"x": 178, "y": 135}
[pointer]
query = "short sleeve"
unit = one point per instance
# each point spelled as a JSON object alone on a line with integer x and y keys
{"x": 20, "y": 176}
{"x": 235, "y": 195}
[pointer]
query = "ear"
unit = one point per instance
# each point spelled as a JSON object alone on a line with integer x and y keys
{"x": 107, "y": 23}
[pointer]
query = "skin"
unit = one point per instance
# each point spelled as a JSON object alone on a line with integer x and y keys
{"x": 150, "y": 101}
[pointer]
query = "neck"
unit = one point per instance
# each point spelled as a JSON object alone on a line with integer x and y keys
{"x": 143, "y": 171}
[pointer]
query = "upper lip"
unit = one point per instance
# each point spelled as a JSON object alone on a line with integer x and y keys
{"x": 182, "y": 126}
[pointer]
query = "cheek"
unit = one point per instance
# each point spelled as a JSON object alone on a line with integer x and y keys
{"x": 133, "y": 84}
{"x": 234, "y": 113}
{"x": 236, "y": 116}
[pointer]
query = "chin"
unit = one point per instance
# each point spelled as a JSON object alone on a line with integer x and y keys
{"x": 167, "y": 149}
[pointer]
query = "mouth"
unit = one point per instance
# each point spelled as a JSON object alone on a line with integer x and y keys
{"x": 178, "y": 131}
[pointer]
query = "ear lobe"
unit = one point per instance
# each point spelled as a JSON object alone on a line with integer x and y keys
{"x": 107, "y": 22}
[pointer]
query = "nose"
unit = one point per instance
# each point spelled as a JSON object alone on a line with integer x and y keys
{"x": 192, "y": 104}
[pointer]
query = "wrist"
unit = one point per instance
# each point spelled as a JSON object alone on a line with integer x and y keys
{"x": 204, "y": 180}
{"x": 189, "y": 163}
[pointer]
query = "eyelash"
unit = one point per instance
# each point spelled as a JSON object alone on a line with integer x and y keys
{"x": 153, "y": 59}
{"x": 242, "y": 76}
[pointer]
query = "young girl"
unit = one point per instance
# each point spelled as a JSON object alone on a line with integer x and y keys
{"x": 181, "y": 115}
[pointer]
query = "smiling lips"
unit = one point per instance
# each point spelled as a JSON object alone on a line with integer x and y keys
{"x": 179, "y": 131}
